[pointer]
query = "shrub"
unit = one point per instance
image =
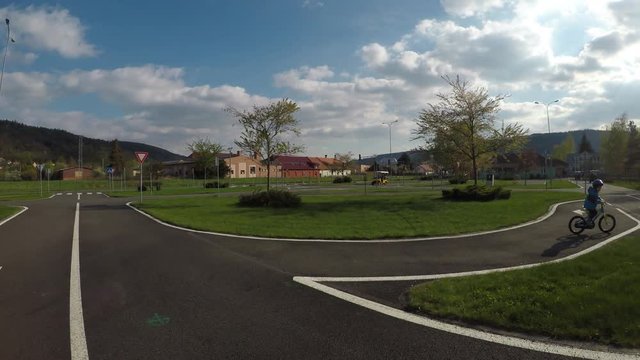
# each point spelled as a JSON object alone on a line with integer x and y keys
{"x": 426, "y": 177}
{"x": 457, "y": 180}
{"x": 342, "y": 179}
{"x": 476, "y": 193}
{"x": 144, "y": 187}
{"x": 214, "y": 185}
{"x": 271, "y": 198}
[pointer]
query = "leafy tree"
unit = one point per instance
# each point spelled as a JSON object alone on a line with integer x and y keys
{"x": 404, "y": 163}
{"x": 463, "y": 120}
{"x": 115, "y": 158}
{"x": 528, "y": 160}
{"x": 633, "y": 150}
{"x": 614, "y": 145}
{"x": 263, "y": 129}
{"x": 585, "y": 145}
{"x": 204, "y": 152}
{"x": 345, "y": 162}
{"x": 566, "y": 147}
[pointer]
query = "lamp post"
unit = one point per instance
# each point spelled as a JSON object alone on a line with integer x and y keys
{"x": 389, "y": 123}
{"x": 546, "y": 171}
{"x": 4, "y": 58}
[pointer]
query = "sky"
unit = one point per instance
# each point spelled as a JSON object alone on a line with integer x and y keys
{"x": 162, "y": 72}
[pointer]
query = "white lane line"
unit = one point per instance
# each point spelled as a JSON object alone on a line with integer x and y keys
{"x": 314, "y": 282}
{"x": 552, "y": 210}
{"x": 69, "y": 194}
{"x": 58, "y": 194}
{"x": 90, "y": 193}
{"x": 76, "y": 319}
{"x": 459, "y": 330}
{"x": 24, "y": 208}
{"x": 79, "y": 196}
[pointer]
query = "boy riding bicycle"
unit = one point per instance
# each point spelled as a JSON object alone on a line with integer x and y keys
{"x": 593, "y": 199}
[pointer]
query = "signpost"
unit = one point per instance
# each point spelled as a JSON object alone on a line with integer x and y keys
{"x": 141, "y": 156}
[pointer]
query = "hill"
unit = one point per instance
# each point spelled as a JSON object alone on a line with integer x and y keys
{"x": 26, "y": 144}
{"x": 542, "y": 143}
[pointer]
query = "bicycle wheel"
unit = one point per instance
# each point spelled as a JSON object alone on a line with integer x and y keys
{"x": 607, "y": 223}
{"x": 576, "y": 225}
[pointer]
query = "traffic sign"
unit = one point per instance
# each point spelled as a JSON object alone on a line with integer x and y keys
{"x": 141, "y": 156}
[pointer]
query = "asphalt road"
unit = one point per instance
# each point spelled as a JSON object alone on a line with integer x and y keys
{"x": 153, "y": 292}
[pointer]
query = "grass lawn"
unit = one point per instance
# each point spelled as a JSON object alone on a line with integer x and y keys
{"x": 629, "y": 184}
{"x": 6, "y": 211}
{"x": 592, "y": 298}
{"x": 355, "y": 216}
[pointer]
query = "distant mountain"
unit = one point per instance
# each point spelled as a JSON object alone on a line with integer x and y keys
{"x": 542, "y": 143}
{"x": 30, "y": 143}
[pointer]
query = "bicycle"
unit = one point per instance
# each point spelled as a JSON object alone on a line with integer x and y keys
{"x": 579, "y": 223}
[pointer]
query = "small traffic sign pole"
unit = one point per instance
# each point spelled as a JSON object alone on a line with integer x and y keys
{"x": 141, "y": 156}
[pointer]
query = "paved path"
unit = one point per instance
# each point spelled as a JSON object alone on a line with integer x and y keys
{"x": 153, "y": 292}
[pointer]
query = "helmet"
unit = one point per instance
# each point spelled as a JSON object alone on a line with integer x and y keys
{"x": 597, "y": 183}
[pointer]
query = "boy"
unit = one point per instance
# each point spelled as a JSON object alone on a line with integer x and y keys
{"x": 593, "y": 199}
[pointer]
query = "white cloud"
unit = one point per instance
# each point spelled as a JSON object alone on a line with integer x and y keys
{"x": 310, "y": 4}
{"x": 374, "y": 55}
{"x": 468, "y": 8}
{"x": 49, "y": 29}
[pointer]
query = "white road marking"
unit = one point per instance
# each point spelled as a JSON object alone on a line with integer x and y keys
{"x": 58, "y": 194}
{"x": 76, "y": 319}
{"x": 89, "y": 193}
{"x": 69, "y": 194}
{"x": 552, "y": 210}
{"x": 579, "y": 212}
{"x": 24, "y": 208}
{"x": 79, "y": 196}
{"x": 314, "y": 282}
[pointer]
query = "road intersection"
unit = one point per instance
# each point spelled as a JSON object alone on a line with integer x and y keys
{"x": 154, "y": 292}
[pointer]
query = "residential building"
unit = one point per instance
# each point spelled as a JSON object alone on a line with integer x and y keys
{"x": 330, "y": 166}
{"x": 296, "y": 166}
{"x": 74, "y": 173}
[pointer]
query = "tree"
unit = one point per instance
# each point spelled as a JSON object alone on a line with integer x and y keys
{"x": 404, "y": 163}
{"x": 116, "y": 158}
{"x": 585, "y": 145}
{"x": 566, "y": 147}
{"x": 633, "y": 150}
{"x": 344, "y": 162}
{"x": 204, "y": 152}
{"x": 263, "y": 129}
{"x": 528, "y": 160}
{"x": 613, "y": 146}
{"x": 463, "y": 120}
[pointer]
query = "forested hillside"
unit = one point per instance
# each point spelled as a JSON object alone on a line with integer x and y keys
{"x": 27, "y": 144}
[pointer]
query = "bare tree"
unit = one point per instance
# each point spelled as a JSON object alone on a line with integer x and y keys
{"x": 465, "y": 119}
{"x": 263, "y": 129}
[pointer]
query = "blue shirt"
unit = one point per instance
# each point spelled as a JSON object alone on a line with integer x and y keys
{"x": 592, "y": 200}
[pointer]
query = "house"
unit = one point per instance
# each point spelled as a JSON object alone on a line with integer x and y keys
{"x": 242, "y": 167}
{"x": 512, "y": 165}
{"x": 74, "y": 173}
{"x": 583, "y": 162}
{"x": 296, "y": 166}
{"x": 330, "y": 166}
{"x": 179, "y": 168}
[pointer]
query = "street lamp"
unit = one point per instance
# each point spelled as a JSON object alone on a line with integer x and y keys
{"x": 389, "y": 123}
{"x": 4, "y": 58}
{"x": 546, "y": 171}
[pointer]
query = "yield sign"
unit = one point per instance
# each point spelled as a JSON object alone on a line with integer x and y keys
{"x": 141, "y": 156}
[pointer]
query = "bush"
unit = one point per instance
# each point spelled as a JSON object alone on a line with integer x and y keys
{"x": 215, "y": 185}
{"x": 457, "y": 180}
{"x": 271, "y": 198}
{"x": 342, "y": 179}
{"x": 476, "y": 193}
{"x": 144, "y": 187}
{"x": 426, "y": 177}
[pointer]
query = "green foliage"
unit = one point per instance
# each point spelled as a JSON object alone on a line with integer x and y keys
{"x": 342, "y": 179}
{"x": 585, "y": 145}
{"x": 476, "y": 193}
{"x": 565, "y": 148}
{"x": 458, "y": 180}
{"x": 116, "y": 158}
{"x": 263, "y": 127}
{"x": 215, "y": 185}
{"x": 463, "y": 122}
{"x": 270, "y": 198}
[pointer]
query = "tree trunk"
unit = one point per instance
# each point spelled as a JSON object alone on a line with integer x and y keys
{"x": 268, "y": 173}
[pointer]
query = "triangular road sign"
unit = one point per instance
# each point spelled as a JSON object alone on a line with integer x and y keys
{"x": 141, "y": 156}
